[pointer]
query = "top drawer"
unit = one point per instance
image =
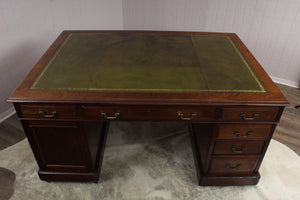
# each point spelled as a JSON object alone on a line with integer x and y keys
{"x": 49, "y": 111}
{"x": 148, "y": 113}
{"x": 249, "y": 114}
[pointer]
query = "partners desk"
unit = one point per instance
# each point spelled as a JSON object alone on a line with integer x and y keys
{"x": 88, "y": 78}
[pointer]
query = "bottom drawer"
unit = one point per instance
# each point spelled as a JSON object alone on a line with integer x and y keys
{"x": 233, "y": 165}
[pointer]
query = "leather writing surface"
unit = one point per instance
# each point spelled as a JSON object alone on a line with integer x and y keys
{"x": 148, "y": 62}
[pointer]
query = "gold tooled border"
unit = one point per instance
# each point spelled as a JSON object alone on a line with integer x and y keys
{"x": 35, "y": 87}
{"x": 263, "y": 89}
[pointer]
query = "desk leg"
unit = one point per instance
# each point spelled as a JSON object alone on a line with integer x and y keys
{"x": 203, "y": 140}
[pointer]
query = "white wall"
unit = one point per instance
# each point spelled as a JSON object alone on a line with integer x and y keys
{"x": 27, "y": 28}
{"x": 269, "y": 28}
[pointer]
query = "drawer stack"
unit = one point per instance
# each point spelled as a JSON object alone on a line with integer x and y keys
{"x": 236, "y": 144}
{"x": 231, "y": 150}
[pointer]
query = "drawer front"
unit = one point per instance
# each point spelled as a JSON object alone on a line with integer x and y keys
{"x": 233, "y": 166}
{"x": 249, "y": 114}
{"x": 239, "y": 147}
{"x": 242, "y": 131}
{"x": 144, "y": 113}
{"x": 49, "y": 111}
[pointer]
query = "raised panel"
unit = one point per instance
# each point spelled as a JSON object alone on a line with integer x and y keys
{"x": 60, "y": 147}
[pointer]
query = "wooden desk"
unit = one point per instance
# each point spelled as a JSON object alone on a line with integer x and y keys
{"x": 88, "y": 78}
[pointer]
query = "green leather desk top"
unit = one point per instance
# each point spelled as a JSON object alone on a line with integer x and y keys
{"x": 148, "y": 62}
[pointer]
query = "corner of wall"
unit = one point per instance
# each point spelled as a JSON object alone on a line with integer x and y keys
{"x": 6, "y": 114}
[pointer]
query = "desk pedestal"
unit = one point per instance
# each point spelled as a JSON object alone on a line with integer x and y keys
{"x": 227, "y": 161}
{"x": 67, "y": 151}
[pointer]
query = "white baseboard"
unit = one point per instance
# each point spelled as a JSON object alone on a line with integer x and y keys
{"x": 7, "y": 114}
{"x": 286, "y": 82}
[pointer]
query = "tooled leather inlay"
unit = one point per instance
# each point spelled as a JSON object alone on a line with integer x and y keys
{"x": 148, "y": 62}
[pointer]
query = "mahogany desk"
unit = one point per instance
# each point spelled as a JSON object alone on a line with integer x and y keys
{"x": 88, "y": 78}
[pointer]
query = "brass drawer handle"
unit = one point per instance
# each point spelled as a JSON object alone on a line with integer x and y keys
{"x": 46, "y": 115}
{"x": 234, "y": 150}
{"x": 243, "y": 115}
{"x": 180, "y": 114}
{"x": 237, "y": 133}
{"x": 238, "y": 166}
{"x": 116, "y": 114}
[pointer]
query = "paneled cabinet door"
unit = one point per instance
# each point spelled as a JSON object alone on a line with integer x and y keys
{"x": 59, "y": 146}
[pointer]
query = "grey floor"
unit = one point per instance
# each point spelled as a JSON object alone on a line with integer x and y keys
{"x": 11, "y": 132}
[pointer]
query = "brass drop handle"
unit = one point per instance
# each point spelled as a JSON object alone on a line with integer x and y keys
{"x": 243, "y": 116}
{"x": 234, "y": 150}
{"x": 237, "y": 133}
{"x": 180, "y": 114}
{"x": 238, "y": 166}
{"x": 47, "y": 115}
{"x": 116, "y": 114}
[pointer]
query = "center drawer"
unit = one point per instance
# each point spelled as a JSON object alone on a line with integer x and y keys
{"x": 144, "y": 113}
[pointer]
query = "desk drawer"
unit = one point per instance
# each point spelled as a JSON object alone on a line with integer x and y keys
{"x": 233, "y": 166}
{"x": 242, "y": 131}
{"x": 249, "y": 114}
{"x": 144, "y": 113}
{"x": 239, "y": 147}
{"x": 49, "y": 111}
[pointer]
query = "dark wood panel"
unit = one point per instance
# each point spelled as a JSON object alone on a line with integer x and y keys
{"x": 229, "y": 180}
{"x": 49, "y": 111}
{"x": 66, "y": 150}
{"x": 60, "y": 148}
{"x": 148, "y": 113}
{"x": 69, "y": 176}
{"x": 202, "y": 137}
{"x": 244, "y": 131}
{"x": 233, "y": 165}
{"x": 239, "y": 147}
{"x": 249, "y": 114}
